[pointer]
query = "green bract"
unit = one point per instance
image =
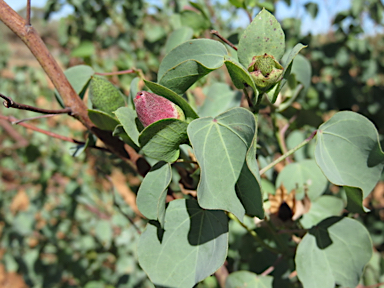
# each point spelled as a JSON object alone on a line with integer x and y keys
{"x": 265, "y": 71}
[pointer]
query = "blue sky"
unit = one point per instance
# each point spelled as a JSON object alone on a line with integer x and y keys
{"x": 322, "y": 24}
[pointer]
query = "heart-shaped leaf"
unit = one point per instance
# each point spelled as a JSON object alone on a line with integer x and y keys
{"x": 220, "y": 145}
{"x": 348, "y": 151}
{"x": 324, "y": 256}
{"x": 192, "y": 246}
{"x": 242, "y": 279}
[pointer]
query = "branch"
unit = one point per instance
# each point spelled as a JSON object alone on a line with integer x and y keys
{"x": 9, "y": 103}
{"x": 217, "y": 34}
{"x": 130, "y": 71}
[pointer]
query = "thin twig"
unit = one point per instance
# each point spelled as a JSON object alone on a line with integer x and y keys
{"x": 249, "y": 15}
{"x": 282, "y": 136}
{"x": 28, "y": 13}
{"x": 290, "y": 152}
{"x": 9, "y": 103}
{"x": 51, "y": 134}
{"x": 272, "y": 267}
{"x": 130, "y": 71}
{"x": 34, "y": 118}
{"x": 217, "y": 34}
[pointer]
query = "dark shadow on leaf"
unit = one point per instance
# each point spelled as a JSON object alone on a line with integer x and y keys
{"x": 160, "y": 231}
{"x": 206, "y": 225}
{"x": 320, "y": 231}
{"x": 376, "y": 156}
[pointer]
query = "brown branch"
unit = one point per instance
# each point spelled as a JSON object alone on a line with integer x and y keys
{"x": 9, "y": 103}
{"x": 217, "y": 34}
{"x": 130, "y": 71}
{"x": 70, "y": 98}
{"x": 273, "y": 266}
{"x": 49, "y": 133}
{"x": 28, "y": 23}
{"x": 34, "y": 118}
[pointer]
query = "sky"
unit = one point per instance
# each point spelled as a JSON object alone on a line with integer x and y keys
{"x": 322, "y": 24}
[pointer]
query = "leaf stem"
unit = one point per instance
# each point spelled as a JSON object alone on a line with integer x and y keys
{"x": 129, "y": 71}
{"x": 226, "y": 41}
{"x": 290, "y": 152}
{"x": 254, "y": 234}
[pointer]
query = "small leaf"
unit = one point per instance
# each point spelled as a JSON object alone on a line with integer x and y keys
{"x": 348, "y": 151}
{"x": 153, "y": 190}
{"x": 120, "y": 132}
{"x": 190, "y": 61}
{"x": 85, "y": 49}
{"x": 220, "y": 145}
{"x": 174, "y": 97}
{"x": 104, "y": 96}
{"x": 127, "y": 117}
{"x": 103, "y": 120}
{"x": 288, "y": 59}
{"x": 161, "y": 139}
{"x": 243, "y": 279}
{"x": 263, "y": 35}
{"x": 355, "y": 200}
{"x": 325, "y": 258}
{"x": 240, "y": 75}
{"x": 303, "y": 176}
{"x": 194, "y": 240}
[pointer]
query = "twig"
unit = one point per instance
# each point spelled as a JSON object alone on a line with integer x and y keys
{"x": 282, "y": 136}
{"x": 9, "y": 103}
{"x": 249, "y": 15}
{"x": 28, "y": 13}
{"x": 217, "y": 34}
{"x": 51, "y": 134}
{"x": 272, "y": 267}
{"x": 34, "y": 118}
{"x": 290, "y": 152}
{"x": 130, "y": 71}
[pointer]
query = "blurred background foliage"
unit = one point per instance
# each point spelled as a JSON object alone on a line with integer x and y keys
{"x": 63, "y": 219}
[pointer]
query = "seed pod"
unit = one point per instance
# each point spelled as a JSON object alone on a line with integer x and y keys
{"x": 151, "y": 108}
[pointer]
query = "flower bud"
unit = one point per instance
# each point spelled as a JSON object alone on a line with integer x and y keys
{"x": 265, "y": 71}
{"x": 151, "y": 108}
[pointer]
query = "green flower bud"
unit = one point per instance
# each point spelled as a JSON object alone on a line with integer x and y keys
{"x": 151, "y": 108}
{"x": 265, "y": 71}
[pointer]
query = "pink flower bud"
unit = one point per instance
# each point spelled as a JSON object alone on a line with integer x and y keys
{"x": 151, "y": 108}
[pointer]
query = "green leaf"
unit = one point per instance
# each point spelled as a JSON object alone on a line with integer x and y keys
{"x": 197, "y": 21}
{"x": 355, "y": 200}
{"x": 161, "y": 139}
{"x": 288, "y": 59}
{"x": 303, "y": 177}
{"x": 174, "y": 97}
{"x": 219, "y": 98}
{"x": 102, "y": 120}
{"x": 312, "y": 8}
{"x": 104, "y": 233}
{"x": 244, "y": 279}
{"x": 239, "y": 75}
{"x": 178, "y": 37}
{"x": 348, "y": 151}
{"x": 120, "y": 132}
{"x": 78, "y": 77}
{"x": 85, "y": 49}
{"x": 323, "y": 207}
{"x": 127, "y": 118}
{"x": 220, "y": 145}
{"x": 334, "y": 251}
{"x": 80, "y": 148}
{"x": 192, "y": 246}
{"x": 263, "y": 35}
{"x": 153, "y": 190}
{"x": 133, "y": 89}
{"x": 104, "y": 96}
{"x": 190, "y": 61}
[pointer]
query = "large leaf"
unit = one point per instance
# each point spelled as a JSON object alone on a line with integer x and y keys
{"x": 348, "y": 151}
{"x": 220, "y": 145}
{"x": 304, "y": 176}
{"x": 192, "y": 246}
{"x": 219, "y": 98}
{"x": 263, "y": 35}
{"x": 161, "y": 139}
{"x": 174, "y": 97}
{"x": 190, "y": 61}
{"x": 244, "y": 279}
{"x": 323, "y": 207}
{"x": 153, "y": 190}
{"x": 333, "y": 252}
